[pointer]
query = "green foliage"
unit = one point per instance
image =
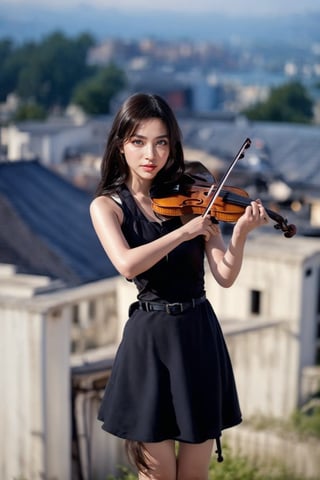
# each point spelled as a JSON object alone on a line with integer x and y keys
{"x": 94, "y": 94}
{"x": 124, "y": 474}
{"x": 29, "y": 111}
{"x": 12, "y": 62}
{"x": 302, "y": 423}
{"x": 54, "y": 71}
{"x": 232, "y": 468}
{"x": 287, "y": 103}
{"x": 308, "y": 422}
{"x": 45, "y": 73}
{"x": 6, "y": 49}
{"x": 239, "y": 468}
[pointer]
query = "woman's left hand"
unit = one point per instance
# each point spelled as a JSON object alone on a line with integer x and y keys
{"x": 254, "y": 216}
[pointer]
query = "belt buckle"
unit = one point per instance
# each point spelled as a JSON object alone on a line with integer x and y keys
{"x": 169, "y": 306}
{"x": 145, "y": 306}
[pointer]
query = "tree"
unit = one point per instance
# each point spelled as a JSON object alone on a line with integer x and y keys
{"x": 94, "y": 94}
{"x": 45, "y": 73}
{"x": 29, "y": 111}
{"x": 288, "y": 103}
{"x": 54, "y": 68}
{"x": 12, "y": 61}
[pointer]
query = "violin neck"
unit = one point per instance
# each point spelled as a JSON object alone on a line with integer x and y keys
{"x": 245, "y": 202}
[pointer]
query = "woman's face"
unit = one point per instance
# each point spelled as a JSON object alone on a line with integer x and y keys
{"x": 147, "y": 150}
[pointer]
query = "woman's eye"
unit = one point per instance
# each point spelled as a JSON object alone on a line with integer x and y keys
{"x": 163, "y": 143}
{"x": 136, "y": 141}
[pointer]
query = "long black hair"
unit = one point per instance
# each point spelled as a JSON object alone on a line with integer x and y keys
{"x": 139, "y": 107}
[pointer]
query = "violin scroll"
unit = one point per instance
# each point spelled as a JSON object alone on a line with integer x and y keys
{"x": 289, "y": 230}
{"x": 292, "y": 230}
{"x": 282, "y": 224}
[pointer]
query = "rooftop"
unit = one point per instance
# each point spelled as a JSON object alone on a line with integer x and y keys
{"x": 46, "y": 227}
{"x": 291, "y": 151}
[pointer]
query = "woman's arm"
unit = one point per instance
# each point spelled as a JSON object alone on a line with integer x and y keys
{"x": 107, "y": 218}
{"x": 225, "y": 263}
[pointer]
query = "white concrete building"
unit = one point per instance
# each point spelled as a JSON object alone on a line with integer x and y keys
{"x": 38, "y": 399}
{"x": 52, "y": 141}
{"x": 271, "y": 318}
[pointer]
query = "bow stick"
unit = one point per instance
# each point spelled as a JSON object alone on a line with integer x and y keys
{"x": 246, "y": 144}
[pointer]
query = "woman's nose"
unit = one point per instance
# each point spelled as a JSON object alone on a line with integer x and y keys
{"x": 149, "y": 151}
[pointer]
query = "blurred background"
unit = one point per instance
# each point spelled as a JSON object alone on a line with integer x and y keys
{"x": 230, "y": 70}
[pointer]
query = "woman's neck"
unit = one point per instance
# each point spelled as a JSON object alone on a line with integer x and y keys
{"x": 138, "y": 188}
{"x": 140, "y": 193}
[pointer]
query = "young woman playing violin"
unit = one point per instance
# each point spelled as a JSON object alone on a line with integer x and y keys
{"x": 172, "y": 383}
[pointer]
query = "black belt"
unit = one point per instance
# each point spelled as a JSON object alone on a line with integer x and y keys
{"x": 171, "y": 308}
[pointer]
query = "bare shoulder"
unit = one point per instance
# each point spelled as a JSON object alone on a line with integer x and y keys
{"x": 105, "y": 205}
{"x": 101, "y": 201}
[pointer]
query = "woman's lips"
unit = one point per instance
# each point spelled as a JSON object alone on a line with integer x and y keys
{"x": 149, "y": 168}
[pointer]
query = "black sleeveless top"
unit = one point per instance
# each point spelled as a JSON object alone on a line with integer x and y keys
{"x": 180, "y": 275}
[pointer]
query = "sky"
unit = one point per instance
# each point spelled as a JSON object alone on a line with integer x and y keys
{"x": 244, "y": 7}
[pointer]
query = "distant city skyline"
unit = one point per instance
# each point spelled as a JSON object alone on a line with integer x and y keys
{"x": 230, "y": 7}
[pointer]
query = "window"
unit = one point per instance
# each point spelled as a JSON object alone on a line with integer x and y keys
{"x": 75, "y": 314}
{"x": 255, "y": 306}
{"x": 92, "y": 309}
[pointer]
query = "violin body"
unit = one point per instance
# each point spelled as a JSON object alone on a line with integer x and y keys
{"x": 195, "y": 199}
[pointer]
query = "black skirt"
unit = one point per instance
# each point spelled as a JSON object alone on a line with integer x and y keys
{"x": 172, "y": 379}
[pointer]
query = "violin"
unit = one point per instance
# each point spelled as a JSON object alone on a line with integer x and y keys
{"x": 224, "y": 203}
{"x": 228, "y": 207}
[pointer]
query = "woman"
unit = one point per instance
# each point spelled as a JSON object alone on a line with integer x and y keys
{"x": 172, "y": 379}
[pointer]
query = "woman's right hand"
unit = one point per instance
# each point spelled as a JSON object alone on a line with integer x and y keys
{"x": 200, "y": 225}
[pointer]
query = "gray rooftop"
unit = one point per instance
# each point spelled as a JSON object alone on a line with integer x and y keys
{"x": 293, "y": 150}
{"x": 45, "y": 227}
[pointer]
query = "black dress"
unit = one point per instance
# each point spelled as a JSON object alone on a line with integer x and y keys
{"x": 172, "y": 377}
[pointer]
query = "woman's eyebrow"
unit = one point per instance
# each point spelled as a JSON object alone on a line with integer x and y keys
{"x": 165, "y": 135}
